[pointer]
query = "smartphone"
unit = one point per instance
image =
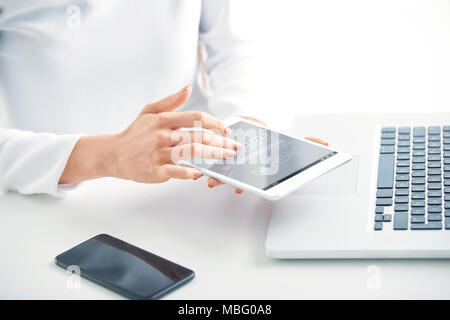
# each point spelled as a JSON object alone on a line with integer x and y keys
{"x": 124, "y": 268}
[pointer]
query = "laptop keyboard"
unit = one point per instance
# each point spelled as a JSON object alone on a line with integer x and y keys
{"x": 413, "y": 186}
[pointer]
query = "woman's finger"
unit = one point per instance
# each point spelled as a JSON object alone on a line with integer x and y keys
{"x": 178, "y": 172}
{"x": 214, "y": 182}
{"x": 206, "y": 138}
{"x": 191, "y": 119}
{"x": 317, "y": 140}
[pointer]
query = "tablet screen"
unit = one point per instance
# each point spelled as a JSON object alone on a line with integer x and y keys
{"x": 267, "y": 158}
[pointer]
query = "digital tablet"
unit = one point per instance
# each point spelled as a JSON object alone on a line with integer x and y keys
{"x": 270, "y": 163}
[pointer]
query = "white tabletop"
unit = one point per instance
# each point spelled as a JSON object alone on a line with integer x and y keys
{"x": 218, "y": 234}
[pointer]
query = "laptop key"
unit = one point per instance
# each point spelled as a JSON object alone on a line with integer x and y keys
{"x": 431, "y": 144}
{"x": 434, "y": 193}
{"x": 446, "y": 168}
{"x": 404, "y": 137}
{"x": 447, "y": 175}
{"x": 418, "y": 166}
{"x": 419, "y": 153}
{"x": 447, "y": 213}
{"x": 418, "y": 159}
{"x": 418, "y": 195}
{"x": 404, "y": 143}
{"x": 446, "y": 141}
{"x": 446, "y": 160}
{"x": 388, "y": 129}
{"x": 434, "y": 138}
{"x": 434, "y": 164}
{"x": 384, "y": 202}
{"x": 418, "y": 146}
{"x": 432, "y": 201}
{"x": 446, "y": 182}
{"x": 417, "y": 219}
{"x": 434, "y": 179}
{"x": 447, "y": 205}
{"x": 419, "y": 140}
{"x": 379, "y": 210}
{"x": 434, "y": 130}
{"x": 401, "y": 207}
{"x": 402, "y": 184}
{"x": 434, "y": 157}
{"x": 378, "y": 226}
{"x": 384, "y": 193}
{"x": 446, "y": 147}
{"x": 434, "y": 186}
{"x": 387, "y": 149}
{"x": 419, "y": 132}
{"x": 446, "y": 190}
{"x": 446, "y": 154}
{"x": 446, "y": 128}
{"x": 418, "y": 173}
{"x": 387, "y": 142}
{"x": 404, "y": 150}
{"x": 402, "y": 192}
{"x": 378, "y": 217}
{"x": 418, "y": 211}
{"x": 402, "y": 199}
{"x": 388, "y": 135}
{"x": 418, "y": 180}
{"x": 401, "y": 221}
{"x": 403, "y": 156}
{"x": 387, "y": 217}
{"x": 402, "y": 177}
{"x": 418, "y": 188}
{"x": 402, "y": 163}
{"x": 447, "y": 197}
{"x": 435, "y": 171}
{"x": 435, "y": 225}
{"x": 417, "y": 203}
{"x": 403, "y": 170}
{"x": 386, "y": 171}
{"x": 434, "y": 150}
{"x": 404, "y": 130}
{"x": 434, "y": 209}
{"x": 434, "y": 217}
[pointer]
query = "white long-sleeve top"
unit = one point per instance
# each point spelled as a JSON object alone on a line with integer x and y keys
{"x": 75, "y": 67}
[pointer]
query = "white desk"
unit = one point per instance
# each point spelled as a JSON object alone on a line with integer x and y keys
{"x": 215, "y": 232}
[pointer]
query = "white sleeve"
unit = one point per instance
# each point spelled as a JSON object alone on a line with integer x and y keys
{"x": 228, "y": 64}
{"x": 33, "y": 162}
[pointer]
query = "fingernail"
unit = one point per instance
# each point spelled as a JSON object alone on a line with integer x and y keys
{"x": 197, "y": 175}
{"x": 210, "y": 186}
{"x": 237, "y": 146}
{"x": 227, "y": 131}
{"x": 184, "y": 89}
{"x": 230, "y": 154}
{"x": 238, "y": 191}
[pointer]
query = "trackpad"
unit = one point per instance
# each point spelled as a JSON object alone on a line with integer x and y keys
{"x": 340, "y": 181}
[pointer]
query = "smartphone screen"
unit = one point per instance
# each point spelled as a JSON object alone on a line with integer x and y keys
{"x": 124, "y": 268}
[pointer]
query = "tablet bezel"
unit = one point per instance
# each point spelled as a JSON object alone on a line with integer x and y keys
{"x": 289, "y": 185}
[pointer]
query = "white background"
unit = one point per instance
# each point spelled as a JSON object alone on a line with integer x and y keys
{"x": 346, "y": 56}
{"x": 328, "y": 56}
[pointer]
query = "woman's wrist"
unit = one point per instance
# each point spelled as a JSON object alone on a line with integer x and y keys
{"x": 91, "y": 158}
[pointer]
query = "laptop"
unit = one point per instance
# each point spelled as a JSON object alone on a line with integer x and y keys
{"x": 391, "y": 201}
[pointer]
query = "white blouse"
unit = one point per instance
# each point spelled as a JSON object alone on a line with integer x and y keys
{"x": 75, "y": 67}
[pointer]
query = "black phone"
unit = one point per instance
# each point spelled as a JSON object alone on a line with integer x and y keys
{"x": 124, "y": 268}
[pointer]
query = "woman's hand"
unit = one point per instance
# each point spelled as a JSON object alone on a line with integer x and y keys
{"x": 147, "y": 151}
{"x": 212, "y": 182}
